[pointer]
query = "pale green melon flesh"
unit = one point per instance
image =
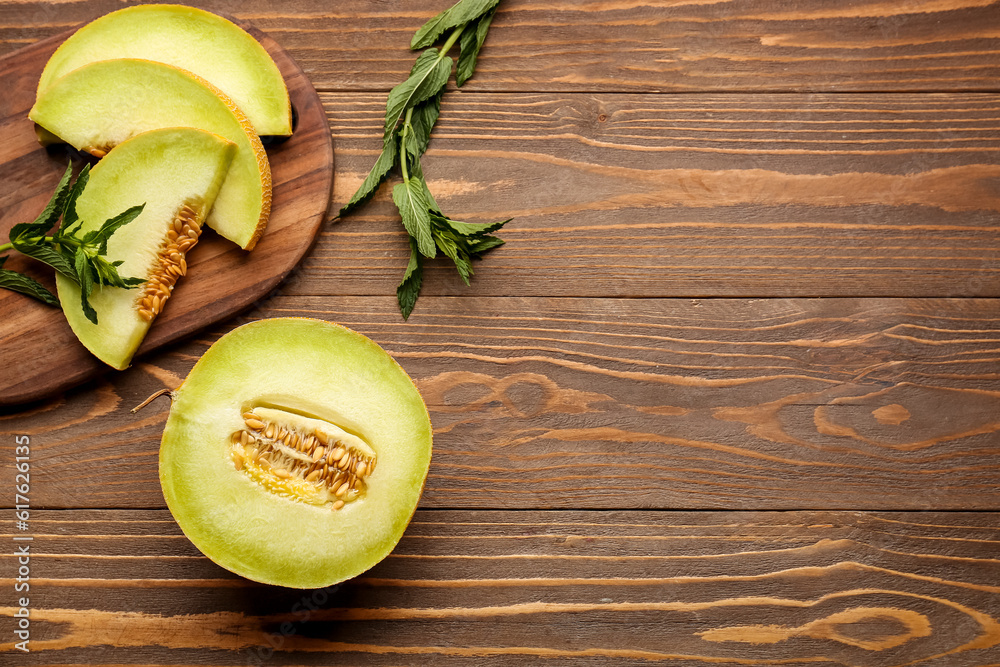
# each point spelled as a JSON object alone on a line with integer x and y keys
{"x": 165, "y": 169}
{"x": 195, "y": 40}
{"x": 102, "y": 104}
{"x": 311, "y": 368}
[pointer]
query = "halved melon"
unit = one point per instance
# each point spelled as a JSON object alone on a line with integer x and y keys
{"x": 295, "y": 452}
{"x": 102, "y": 104}
{"x": 176, "y": 173}
{"x": 195, "y": 40}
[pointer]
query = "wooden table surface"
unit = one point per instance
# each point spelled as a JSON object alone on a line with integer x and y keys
{"x": 728, "y": 396}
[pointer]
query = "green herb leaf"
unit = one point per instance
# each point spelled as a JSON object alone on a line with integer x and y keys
{"x": 86, "y": 284}
{"x": 409, "y": 288}
{"x": 471, "y": 43}
{"x": 414, "y": 209}
{"x": 70, "y": 218}
{"x": 53, "y": 209}
{"x": 425, "y": 115}
{"x": 111, "y": 226}
{"x": 417, "y": 173}
{"x": 375, "y": 177}
{"x": 451, "y": 245}
{"x": 429, "y": 75}
{"x": 19, "y": 282}
{"x": 46, "y": 254}
{"x": 471, "y": 228}
{"x": 482, "y": 245}
{"x": 458, "y": 14}
{"x": 106, "y": 273}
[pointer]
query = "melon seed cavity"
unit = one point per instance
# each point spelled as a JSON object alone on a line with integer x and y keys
{"x": 301, "y": 458}
{"x": 170, "y": 262}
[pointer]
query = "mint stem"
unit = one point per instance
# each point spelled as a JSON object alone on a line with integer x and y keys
{"x": 48, "y": 239}
{"x": 452, "y": 38}
{"x": 407, "y": 128}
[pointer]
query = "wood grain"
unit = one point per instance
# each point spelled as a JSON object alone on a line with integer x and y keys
{"x": 620, "y": 45}
{"x": 819, "y": 149}
{"x": 567, "y": 588}
{"x": 39, "y": 353}
{"x": 621, "y": 403}
{"x": 694, "y": 195}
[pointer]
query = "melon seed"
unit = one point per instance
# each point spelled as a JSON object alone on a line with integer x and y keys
{"x": 338, "y": 468}
{"x": 170, "y": 263}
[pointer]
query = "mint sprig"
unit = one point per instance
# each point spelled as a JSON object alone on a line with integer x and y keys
{"x": 82, "y": 259}
{"x": 411, "y": 111}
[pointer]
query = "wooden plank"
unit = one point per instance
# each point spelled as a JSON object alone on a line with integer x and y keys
{"x": 681, "y": 196}
{"x": 621, "y": 403}
{"x": 491, "y": 588}
{"x": 659, "y": 45}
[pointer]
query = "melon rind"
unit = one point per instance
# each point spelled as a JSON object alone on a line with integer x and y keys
{"x": 192, "y": 39}
{"x": 102, "y": 104}
{"x": 194, "y": 164}
{"x": 315, "y": 368}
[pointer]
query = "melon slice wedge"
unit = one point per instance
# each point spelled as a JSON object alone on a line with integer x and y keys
{"x": 177, "y": 173}
{"x": 100, "y": 105}
{"x": 194, "y": 40}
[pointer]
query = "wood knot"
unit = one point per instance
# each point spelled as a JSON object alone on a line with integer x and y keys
{"x": 841, "y": 627}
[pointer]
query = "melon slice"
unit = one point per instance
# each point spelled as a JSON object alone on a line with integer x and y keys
{"x": 177, "y": 173}
{"x": 295, "y": 452}
{"x": 102, "y": 104}
{"x": 195, "y": 40}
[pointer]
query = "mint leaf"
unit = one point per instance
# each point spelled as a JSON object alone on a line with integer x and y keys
{"x": 19, "y": 282}
{"x": 488, "y": 243}
{"x": 375, "y": 177}
{"x": 111, "y": 226}
{"x": 417, "y": 173}
{"x": 86, "y": 284}
{"x": 106, "y": 273}
{"x": 413, "y": 208}
{"x": 470, "y": 228}
{"x": 460, "y": 13}
{"x": 470, "y": 44}
{"x": 451, "y": 246}
{"x": 49, "y": 215}
{"x": 409, "y": 288}
{"x": 429, "y": 75}
{"x": 46, "y": 254}
{"x": 425, "y": 115}
{"x": 70, "y": 218}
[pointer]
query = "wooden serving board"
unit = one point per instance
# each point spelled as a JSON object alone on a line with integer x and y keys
{"x": 39, "y": 355}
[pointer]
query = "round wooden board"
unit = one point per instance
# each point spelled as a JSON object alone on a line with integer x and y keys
{"x": 39, "y": 354}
